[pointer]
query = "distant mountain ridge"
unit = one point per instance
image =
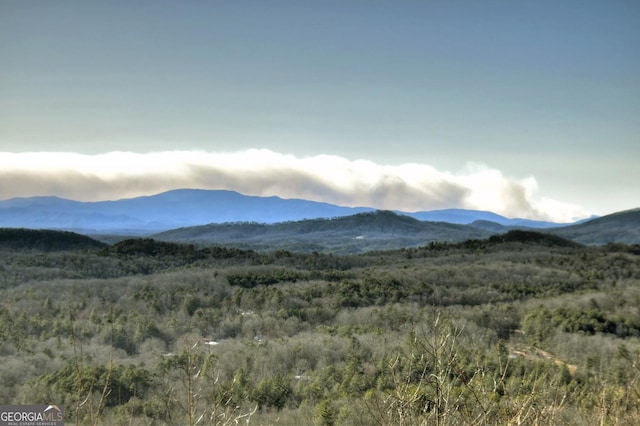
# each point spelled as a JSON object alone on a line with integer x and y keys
{"x": 192, "y": 207}
{"x": 466, "y": 217}
{"x": 377, "y": 230}
{"x": 384, "y": 230}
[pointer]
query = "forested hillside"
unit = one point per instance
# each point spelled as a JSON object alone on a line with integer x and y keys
{"x": 379, "y": 230}
{"x": 385, "y": 230}
{"x": 621, "y": 227}
{"x": 45, "y": 240}
{"x": 522, "y": 328}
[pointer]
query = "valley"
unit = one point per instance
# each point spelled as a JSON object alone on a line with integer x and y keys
{"x": 517, "y": 327}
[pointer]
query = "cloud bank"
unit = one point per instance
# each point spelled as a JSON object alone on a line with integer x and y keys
{"x": 326, "y": 178}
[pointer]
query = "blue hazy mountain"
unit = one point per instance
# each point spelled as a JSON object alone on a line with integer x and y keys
{"x": 191, "y": 207}
{"x": 168, "y": 210}
{"x": 465, "y": 217}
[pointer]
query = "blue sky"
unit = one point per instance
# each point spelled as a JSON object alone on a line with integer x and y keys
{"x": 543, "y": 95}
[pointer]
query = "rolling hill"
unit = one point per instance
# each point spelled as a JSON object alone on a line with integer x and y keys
{"x": 620, "y": 227}
{"x": 361, "y": 232}
{"x": 379, "y": 230}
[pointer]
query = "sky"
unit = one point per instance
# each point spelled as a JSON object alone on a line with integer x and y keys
{"x": 525, "y": 108}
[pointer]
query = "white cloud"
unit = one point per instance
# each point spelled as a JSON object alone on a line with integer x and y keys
{"x": 332, "y": 179}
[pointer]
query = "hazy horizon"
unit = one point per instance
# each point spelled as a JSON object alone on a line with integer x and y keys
{"x": 526, "y": 109}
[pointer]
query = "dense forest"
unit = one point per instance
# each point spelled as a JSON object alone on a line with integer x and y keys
{"x": 521, "y": 328}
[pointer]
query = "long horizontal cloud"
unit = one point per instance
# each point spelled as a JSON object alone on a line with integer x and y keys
{"x": 332, "y": 179}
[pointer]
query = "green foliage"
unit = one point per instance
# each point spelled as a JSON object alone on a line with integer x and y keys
{"x": 325, "y": 414}
{"x": 253, "y": 279}
{"x": 272, "y": 392}
{"x": 541, "y": 322}
{"x": 121, "y": 382}
{"x": 150, "y": 247}
{"x": 534, "y": 237}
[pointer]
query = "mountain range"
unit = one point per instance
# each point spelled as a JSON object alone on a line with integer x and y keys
{"x": 271, "y": 223}
{"x": 191, "y": 207}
